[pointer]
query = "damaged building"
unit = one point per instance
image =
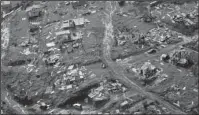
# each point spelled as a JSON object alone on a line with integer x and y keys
{"x": 181, "y": 58}
{"x": 34, "y": 13}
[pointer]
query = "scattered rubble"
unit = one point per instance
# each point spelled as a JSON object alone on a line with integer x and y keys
{"x": 47, "y": 52}
{"x": 102, "y": 93}
{"x": 181, "y": 58}
{"x": 164, "y": 35}
{"x": 148, "y": 71}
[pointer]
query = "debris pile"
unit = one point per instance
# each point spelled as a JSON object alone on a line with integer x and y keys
{"x": 181, "y": 58}
{"x": 164, "y": 35}
{"x": 35, "y": 12}
{"x": 122, "y": 39}
{"x": 192, "y": 45}
{"x": 188, "y": 19}
{"x": 69, "y": 40}
{"x": 148, "y": 71}
{"x": 5, "y": 32}
{"x": 72, "y": 78}
{"x": 106, "y": 88}
{"x": 35, "y": 15}
{"x": 145, "y": 106}
{"x": 72, "y": 23}
{"x": 79, "y": 4}
{"x": 173, "y": 93}
{"x": 160, "y": 79}
{"x": 140, "y": 39}
{"x": 184, "y": 21}
{"x": 52, "y": 59}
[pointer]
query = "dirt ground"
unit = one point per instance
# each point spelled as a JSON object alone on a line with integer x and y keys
{"x": 31, "y": 68}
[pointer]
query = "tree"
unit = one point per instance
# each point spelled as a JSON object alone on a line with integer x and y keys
{"x": 121, "y": 3}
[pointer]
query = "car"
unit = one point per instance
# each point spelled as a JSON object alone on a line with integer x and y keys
{"x": 77, "y": 106}
{"x": 151, "y": 51}
{"x": 103, "y": 66}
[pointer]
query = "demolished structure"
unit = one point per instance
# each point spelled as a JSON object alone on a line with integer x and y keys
{"x": 72, "y": 23}
{"x": 181, "y": 58}
{"x": 148, "y": 71}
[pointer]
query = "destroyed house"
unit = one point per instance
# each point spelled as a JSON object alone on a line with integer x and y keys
{"x": 80, "y": 3}
{"x": 79, "y": 21}
{"x": 34, "y": 29}
{"x": 4, "y": 3}
{"x": 92, "y": 95}
{"x": 68, "y": 24}
{"x": 63, "y": 36}
{"x": 77, "y": 35}
{"x": 98, "y": 100}
{"x": 6, "y": 6}
{"x": 72, "y": 23}
{"x": 36, "y": 12}
{"x": 100, "y": 88}
{"x": 97, "y": 97}
{"x": 148, "y": 70}
{"x": 64, "y": 39}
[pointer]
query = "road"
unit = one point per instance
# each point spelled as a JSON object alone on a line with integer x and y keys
{"x": 117, "y": 70}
